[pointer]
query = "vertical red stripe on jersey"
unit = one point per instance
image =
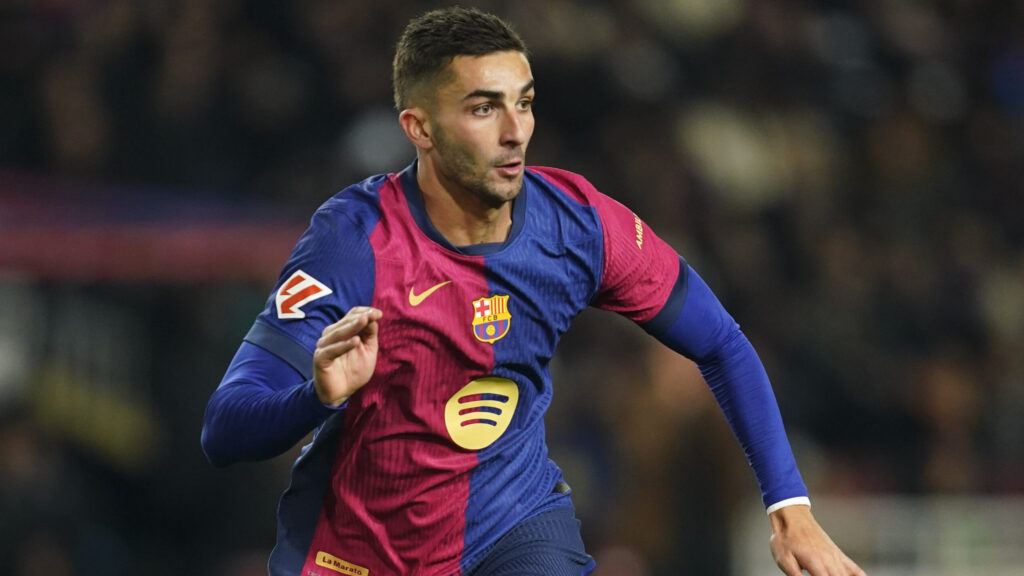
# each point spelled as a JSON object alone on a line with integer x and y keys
{"x": 399, "y": 487}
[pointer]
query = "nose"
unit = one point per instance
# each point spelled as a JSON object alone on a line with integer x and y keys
{"x": 514, "y": 128}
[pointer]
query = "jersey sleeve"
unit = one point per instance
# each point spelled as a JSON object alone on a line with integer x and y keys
{"x": 266, "y": 401}
{"x": 639, "y": 268}
{"x": 644, "y": 279}
{"x": 695, "y": 324}
{"x": 261, "y": 408}
{"x": 331, "y": 269}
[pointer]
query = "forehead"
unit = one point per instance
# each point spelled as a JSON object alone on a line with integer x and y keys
{"x": 504, "y": 72}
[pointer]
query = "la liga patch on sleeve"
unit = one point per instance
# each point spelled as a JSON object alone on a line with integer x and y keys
{"x": 297, "y": 291}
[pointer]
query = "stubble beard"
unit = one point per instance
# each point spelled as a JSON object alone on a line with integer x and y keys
{"x": 459, "y": 166}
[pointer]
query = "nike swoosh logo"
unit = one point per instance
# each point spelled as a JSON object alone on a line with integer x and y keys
{"x": 417, "y": 299}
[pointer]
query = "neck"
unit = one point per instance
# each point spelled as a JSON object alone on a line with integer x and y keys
{"x": 461, "y": 216}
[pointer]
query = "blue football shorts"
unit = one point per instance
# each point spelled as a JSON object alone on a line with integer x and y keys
{"x": 548, "y": 544}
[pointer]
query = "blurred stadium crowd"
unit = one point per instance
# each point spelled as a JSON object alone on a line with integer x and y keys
{"x": 846, "y": 175}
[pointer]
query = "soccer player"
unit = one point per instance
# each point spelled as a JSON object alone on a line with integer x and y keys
{"x": 413, "y": 326}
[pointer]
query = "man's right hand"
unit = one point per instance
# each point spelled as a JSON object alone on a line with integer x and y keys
{"x": 346, "y": 355}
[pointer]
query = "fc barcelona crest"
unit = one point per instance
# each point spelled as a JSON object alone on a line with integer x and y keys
{"x": 491, "y": 318}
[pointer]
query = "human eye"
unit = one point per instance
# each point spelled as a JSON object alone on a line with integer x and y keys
{"x": 525, "y": 104}
{"x": 483, "y": 109}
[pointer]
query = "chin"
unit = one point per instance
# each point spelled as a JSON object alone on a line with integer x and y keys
{"x": 508, "y": 191}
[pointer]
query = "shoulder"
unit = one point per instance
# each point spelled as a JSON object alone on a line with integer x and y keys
{"x": 580, "y": 191}
{"x": 571, "y": 184}
{"x": 358, "y": 205}
{"x": 332, "y": 262}
{"x": 339, "y": 230}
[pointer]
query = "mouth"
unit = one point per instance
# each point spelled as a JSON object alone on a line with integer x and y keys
{"x": 513, "y": 168}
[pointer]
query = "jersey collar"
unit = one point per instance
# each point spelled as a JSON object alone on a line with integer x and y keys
{"x": 414, "y": 198}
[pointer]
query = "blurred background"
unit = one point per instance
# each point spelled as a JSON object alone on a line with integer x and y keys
{"x": 847, "y": 176}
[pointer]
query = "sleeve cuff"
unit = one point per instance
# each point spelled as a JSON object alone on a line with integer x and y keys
{"x": 798, "y": 501}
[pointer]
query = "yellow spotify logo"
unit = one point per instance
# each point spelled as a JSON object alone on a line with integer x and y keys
{"x": 480, "y": 413}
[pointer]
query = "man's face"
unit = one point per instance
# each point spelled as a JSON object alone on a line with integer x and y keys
{"x": 482, "y": 122}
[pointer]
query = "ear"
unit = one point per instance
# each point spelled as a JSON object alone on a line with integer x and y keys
{"x": 416, "y": 124}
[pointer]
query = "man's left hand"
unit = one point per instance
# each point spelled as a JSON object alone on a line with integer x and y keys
{"x": 798, "y": 543}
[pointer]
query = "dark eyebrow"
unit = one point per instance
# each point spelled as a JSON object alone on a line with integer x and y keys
{"x": 496, "y": 95}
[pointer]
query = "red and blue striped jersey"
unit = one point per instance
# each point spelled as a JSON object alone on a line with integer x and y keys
{"x": 443, "y": 451}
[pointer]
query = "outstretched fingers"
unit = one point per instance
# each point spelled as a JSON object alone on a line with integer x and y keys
{"x": 359, "y": 325}
{"x": 326, "y": 353}
{"x": 346, "y": 355}
{"x": 350, "y": 325}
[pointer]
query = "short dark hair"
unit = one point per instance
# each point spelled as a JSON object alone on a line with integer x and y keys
{"x": 431, "y": 41}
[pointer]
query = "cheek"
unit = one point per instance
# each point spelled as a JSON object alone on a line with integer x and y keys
{"x": 459, "y": 151}
{"x": 479, "y": 135}
{"x": 474, "y": 144}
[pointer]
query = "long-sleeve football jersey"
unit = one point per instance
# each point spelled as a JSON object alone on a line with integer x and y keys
{"x": 443, "y": 451}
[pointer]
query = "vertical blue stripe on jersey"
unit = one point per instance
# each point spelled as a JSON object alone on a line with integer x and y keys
{"x": 536, "y": 270}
